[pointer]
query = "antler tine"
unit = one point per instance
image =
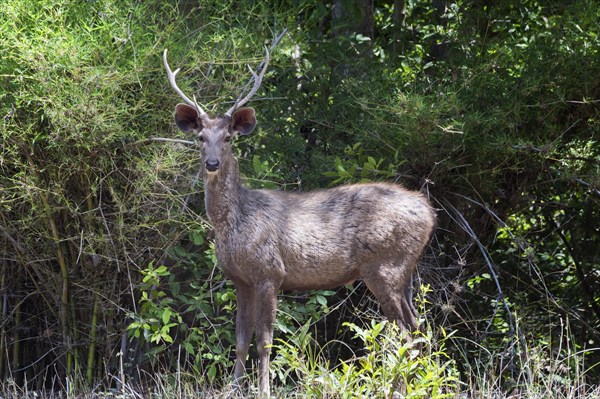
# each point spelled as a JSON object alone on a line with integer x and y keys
{"x": 171, "y": 75}
{"x": 257, "y": 82}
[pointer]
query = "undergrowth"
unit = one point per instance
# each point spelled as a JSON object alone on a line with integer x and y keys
{"x": 390, "y": 365}
{"x": 387, "y": 365}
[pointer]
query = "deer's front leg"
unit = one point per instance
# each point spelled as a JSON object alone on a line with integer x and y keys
{"x": 244, "y": 327}
{"x": 266, "y": 294}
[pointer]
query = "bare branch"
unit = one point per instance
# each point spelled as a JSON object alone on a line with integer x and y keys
{"x": 187, "y": 142}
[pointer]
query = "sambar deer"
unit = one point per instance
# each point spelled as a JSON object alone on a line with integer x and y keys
{"x": 268, "y": 240}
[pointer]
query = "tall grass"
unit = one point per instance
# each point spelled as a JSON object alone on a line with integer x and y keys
{"x": 387, "y": 366}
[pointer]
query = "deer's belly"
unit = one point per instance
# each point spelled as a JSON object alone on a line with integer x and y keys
{"x": 316, "y": 279}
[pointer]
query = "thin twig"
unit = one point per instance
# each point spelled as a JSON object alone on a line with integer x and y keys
{"x": 467, "y": 227}
{"x": 525, "y": 246}
{"x": 179, "y": 141}
{"x": 588, "y": 290}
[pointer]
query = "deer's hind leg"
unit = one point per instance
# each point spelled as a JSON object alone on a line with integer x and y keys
{"x": 391, "y": 285}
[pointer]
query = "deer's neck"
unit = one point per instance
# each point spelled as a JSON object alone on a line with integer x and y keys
{"x": 222, "y": 195}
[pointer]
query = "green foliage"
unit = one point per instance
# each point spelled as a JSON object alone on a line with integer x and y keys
{"x": 78, "y": 206}
{"x": 389, "y": 366}
{"x": 189, "y": 314}
{"x": 356, "y": 166}
{"x": 158, "y": 315}
{"x": 303, "y": 311}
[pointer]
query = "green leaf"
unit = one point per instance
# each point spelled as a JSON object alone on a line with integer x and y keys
{"x": 212, "y": 372}
{"x": 197, "y": 237}
{"x": 321, "y": 300}
{"x": 362, "y": 38}
{"x": 166, "y": 316}
{"x": 189, "y": 348}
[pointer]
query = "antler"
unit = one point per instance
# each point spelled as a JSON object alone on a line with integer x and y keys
{"x": 257, "y": 81}
{"x": 172, "y": 76}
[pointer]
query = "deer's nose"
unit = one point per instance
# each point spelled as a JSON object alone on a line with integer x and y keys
{"x": 212, "y": 165}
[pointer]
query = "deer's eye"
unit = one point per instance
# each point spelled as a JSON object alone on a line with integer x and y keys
{"x": 227, "y": 138}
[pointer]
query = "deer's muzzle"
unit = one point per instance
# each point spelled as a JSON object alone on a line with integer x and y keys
{"x": 212, "y": 165}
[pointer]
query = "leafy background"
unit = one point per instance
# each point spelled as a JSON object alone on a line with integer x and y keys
{"x": 108, "y": 278}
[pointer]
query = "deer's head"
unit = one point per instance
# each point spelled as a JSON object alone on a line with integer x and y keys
{"x": 215, "y": 134}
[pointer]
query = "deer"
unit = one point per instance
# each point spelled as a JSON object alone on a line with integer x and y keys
{"x": 272, "y": 240}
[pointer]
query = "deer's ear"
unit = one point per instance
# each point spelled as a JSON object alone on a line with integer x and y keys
{"x": 186, "y": 118}
{"x": 243, "y": 121}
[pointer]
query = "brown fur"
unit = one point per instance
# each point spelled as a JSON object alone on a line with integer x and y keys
{"x": 268, "y": 240}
